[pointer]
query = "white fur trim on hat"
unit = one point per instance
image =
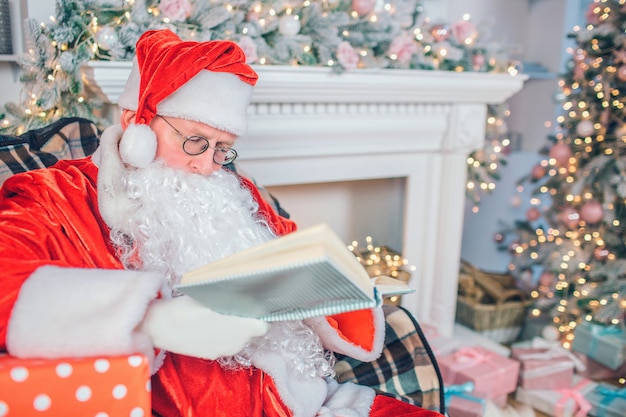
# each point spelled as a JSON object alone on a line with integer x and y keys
{"x": 138, "y": 145}
{"x": 218, "y": 99}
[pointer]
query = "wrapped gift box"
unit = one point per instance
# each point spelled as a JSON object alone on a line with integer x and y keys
{"x": 460, "y": 401}
{"x": 113, "y": 386}
{"x": 596, "y": 371}
{"x": 543, "y": 368}
{"x": 570, "y": 402}
{"x": 607, "y": 401}
{"x": 604, "y": 344}
{"x": 493, "y": 375}
{"x": 440, "y": 344}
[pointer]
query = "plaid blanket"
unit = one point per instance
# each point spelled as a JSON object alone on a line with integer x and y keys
{"x": 406, "y": 370}
{"x": 68, "y": 138}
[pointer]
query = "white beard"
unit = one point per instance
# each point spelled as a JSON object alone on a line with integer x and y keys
{"x": 179, "y": 221}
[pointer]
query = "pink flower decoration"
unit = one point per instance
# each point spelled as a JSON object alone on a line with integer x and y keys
{"x": 176, "y": 10}
{"x": 347, "y": 56}
{"x": 403, "y": 48}
{"x": 463, "y": 30}
{"x": 249, "y": 49}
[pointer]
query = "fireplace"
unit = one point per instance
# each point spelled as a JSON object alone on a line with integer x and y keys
{"x": 401, "y": 135}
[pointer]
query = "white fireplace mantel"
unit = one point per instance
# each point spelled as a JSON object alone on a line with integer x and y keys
{"x": 308, "y": 125}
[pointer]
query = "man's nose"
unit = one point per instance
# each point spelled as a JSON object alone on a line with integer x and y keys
{"x": 203, "y": 164}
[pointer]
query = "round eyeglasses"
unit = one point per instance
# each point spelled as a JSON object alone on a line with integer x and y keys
{"x": 196, "y": 145}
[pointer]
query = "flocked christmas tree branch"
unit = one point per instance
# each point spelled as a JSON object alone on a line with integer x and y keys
{"x": 344, "y": 35}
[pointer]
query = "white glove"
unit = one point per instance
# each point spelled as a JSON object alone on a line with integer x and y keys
{"x": 183, "y": 325}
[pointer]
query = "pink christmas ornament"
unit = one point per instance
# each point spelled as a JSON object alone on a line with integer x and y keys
{"x": 621, "y": 73}
{"x": 592, "y": 212}
{"x": 464, "y": 32}
{"x": 561, "y": 153}
{"x": 363, "y": 7}
{"x": 440, "y": 32}
{"x": 538, "y": 172}
{"x": 601, "y": 253}
{"x": 569, "y": 217}
{"x": 546, "y": 279}
{"x": 591, "y": 15}
{"x": 478, "y": 61}
{"x": 533, "y": 214}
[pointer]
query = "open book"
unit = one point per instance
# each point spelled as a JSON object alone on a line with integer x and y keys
{"x": 307, "y": 273}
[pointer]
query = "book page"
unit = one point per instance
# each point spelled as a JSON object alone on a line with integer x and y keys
{"x": 294, "y": 291}
{"x": 388, "y": 286}
{"x": 283, "y": 249}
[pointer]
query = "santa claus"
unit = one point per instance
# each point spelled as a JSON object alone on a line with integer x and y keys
{"x": 91, "y": 249}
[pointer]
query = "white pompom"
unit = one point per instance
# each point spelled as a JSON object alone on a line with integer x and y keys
{"x": 138, "y": 145}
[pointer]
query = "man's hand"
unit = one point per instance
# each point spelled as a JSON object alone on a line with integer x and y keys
{"x": 182, "y": 325}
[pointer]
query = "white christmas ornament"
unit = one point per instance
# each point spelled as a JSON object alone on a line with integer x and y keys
{"x": 550, "y": 333}
{"x": 106, "y": 37}
{"x": 585, "y": 128}
{"x": 289, "y": 25}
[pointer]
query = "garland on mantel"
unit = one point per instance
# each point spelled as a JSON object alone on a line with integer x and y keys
{"x": 343, "y": 35}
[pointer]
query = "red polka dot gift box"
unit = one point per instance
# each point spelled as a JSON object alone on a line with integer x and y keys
{"x": 99, "y": 387}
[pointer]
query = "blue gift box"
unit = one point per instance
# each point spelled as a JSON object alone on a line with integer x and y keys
{"x": 604, "y": 344}
{"x": 607, "y": 401}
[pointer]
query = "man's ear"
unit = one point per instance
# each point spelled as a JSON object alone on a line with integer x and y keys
{"x": 127, "y": 117}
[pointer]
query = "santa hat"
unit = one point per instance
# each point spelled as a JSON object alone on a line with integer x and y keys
{"x": 207, "y": 82}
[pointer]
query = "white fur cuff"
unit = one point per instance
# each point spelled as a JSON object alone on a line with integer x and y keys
{"x": 64, "y": 312}
{"x": 347, "y": 400}
{"x": 335, "y": 343}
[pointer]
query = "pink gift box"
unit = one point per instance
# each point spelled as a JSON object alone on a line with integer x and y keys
{"x": 440, "y": 345}
{"x": 462, "y": 407}
{"x": 461, "y": 402}
{"x": 493, "y": 375}
{"x": 570, "y": 402}
{"x": 501, "y": 400}
{"x": 543, "y": 368}
{"x": 596, "y": 371}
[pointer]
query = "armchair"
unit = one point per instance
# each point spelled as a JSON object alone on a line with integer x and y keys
{"x": 407, "y": 369}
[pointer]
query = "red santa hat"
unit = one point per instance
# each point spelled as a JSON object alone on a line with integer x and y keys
{"x": 207, "y": 82}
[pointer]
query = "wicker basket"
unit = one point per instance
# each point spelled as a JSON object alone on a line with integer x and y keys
{"x": 495, "y": 314}
{"x": 482, "y": 317}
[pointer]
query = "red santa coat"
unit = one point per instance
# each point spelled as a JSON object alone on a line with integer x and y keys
{"x": 51, "y": 218}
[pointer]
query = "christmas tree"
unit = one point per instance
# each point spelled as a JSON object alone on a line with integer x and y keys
{"x": 570, "y": 251}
